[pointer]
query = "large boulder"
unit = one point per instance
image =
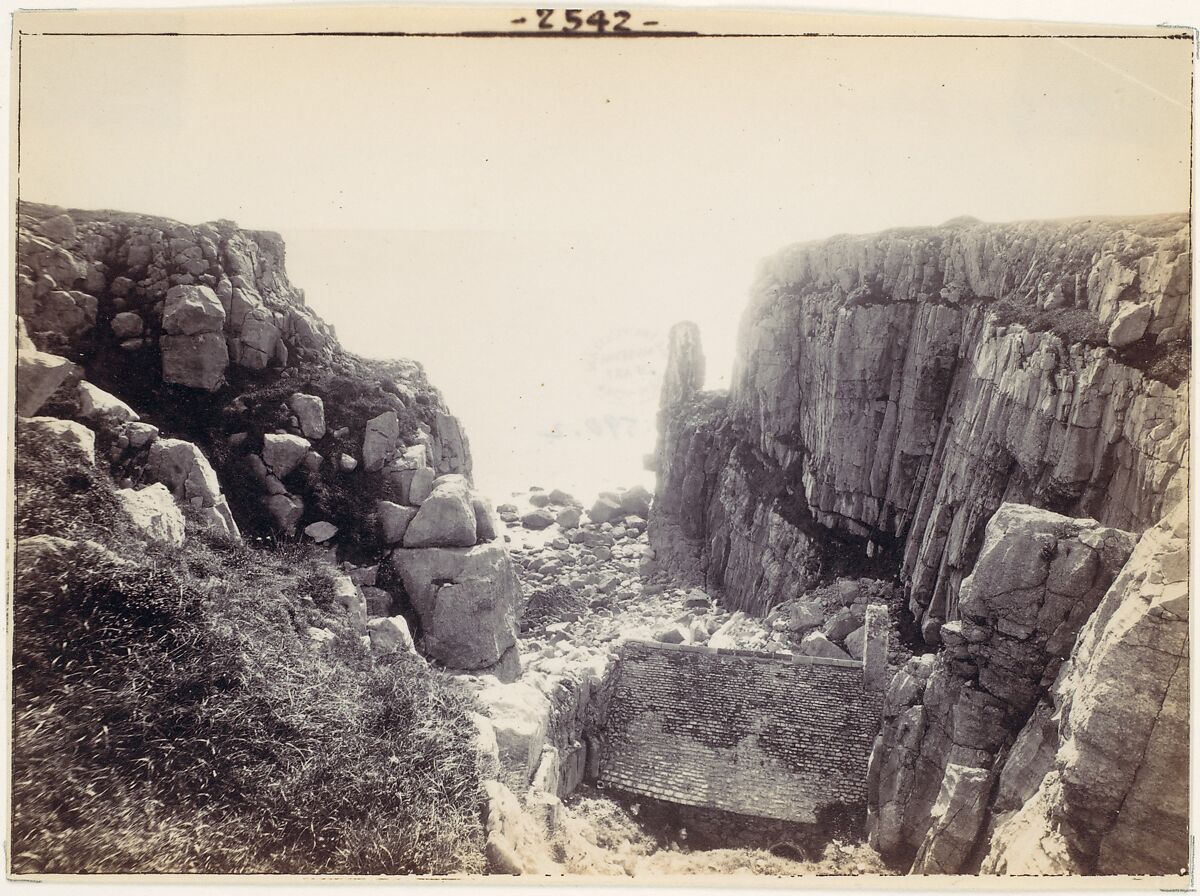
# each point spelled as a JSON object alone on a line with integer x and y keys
{"x": 193, "y": 346}
{"x": 310, "y": 412}
{"x": 192, "y": 310}
{"x": 636, "y": 501}
{"x": 183, "y": 468}
{"x": 283, "y": 453}
{"x": 537, "y": 519}
{"x": 605, "y": 510}
{"x": 65, "y": 432}
{"x": 467, "y": 600}
{"x": 95, "y": 403}
{"x": 1130, "y": 324}
{"x": 393, "y": 520}
{"x": 39, "y": 374}
{"x": 155, "y": 512}
{"x": 446, "y": 517}
{"x": 379, "y": 441}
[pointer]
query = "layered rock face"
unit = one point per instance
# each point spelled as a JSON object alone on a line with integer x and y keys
{"x": 1050, "y": 733}
{"x": 892, "y": 391}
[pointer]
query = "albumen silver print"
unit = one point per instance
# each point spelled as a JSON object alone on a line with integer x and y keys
{"x": 600, "y": 445}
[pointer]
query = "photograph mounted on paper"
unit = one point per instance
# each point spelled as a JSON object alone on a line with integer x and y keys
{"x": 689, "y": 446}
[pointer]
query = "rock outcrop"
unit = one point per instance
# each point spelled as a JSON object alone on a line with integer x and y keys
{"x": 892, "y": 391}
{"x": 467, "y": 600}
{"x": 183, "y": 358}
{"x": 1031, "y": 743}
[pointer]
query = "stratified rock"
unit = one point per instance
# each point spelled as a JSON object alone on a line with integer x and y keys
{"x": 155, "y": 512}
{"x": 310, "y": 411}
{"x": 1124, "y": 715}
{"x": 64, "y": 432}
{"x": 379, "y": 441}
{"x": 467, "y": 601}
{"x": 39, "y": 374}
{"x": 1038, "y": 578}
{"x": 957, "y": 817}
{"x": 878, "y": 393}
{"x": 95, "y": 403}
{"x": 446, "y": 518}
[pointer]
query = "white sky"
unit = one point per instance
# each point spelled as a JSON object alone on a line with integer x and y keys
{"x": 515, "y": 214}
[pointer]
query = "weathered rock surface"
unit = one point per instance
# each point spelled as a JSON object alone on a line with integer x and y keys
{"x": 446, "y": 518}
{"x": 1114, "y": 798}
{"x": 155, "y": 512}
{"x": 184, "y": 469}
{"x": 39, "y": 374}
{"x": 65, "y": 432}
{"x": 467, "y": 600}
{"x": 94, "y": 402}
{"x": 310, "y": 412}
{"x": 880, "y": 394}
{"x": 1053, "y": 643}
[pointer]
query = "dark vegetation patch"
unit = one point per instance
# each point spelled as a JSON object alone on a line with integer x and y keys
{"x": 171, "y": 713}
{"x": 1170, "y": 363}
{"x": 1072, "y": 325}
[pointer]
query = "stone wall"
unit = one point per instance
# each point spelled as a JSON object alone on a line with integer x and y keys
{"x": 763, "y": 735}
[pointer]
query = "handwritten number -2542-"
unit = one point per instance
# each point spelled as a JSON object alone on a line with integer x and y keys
{"x": 597, "y": 20}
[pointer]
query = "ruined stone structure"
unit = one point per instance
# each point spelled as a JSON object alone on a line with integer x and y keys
{"x": 757, "y": 734}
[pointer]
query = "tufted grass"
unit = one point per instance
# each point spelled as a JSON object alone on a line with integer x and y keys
{"x": 171, "y": 714}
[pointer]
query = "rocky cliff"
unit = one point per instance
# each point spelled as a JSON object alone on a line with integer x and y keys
{"x": 892, "y": 391}
{"x": 997, "y": 416}
{"x": 185, "y": 361}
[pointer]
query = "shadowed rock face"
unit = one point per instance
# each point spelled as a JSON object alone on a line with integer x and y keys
{"x": 1039, "y": 577}
{"x": 885, "y": 395}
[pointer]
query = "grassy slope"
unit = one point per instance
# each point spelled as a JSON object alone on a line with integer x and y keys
{"x": 171, "y": 713}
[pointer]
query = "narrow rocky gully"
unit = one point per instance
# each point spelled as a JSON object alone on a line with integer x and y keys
{"x": 591, "y": 584}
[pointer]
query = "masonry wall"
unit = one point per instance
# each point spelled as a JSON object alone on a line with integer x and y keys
{"x": 755, "y": 734}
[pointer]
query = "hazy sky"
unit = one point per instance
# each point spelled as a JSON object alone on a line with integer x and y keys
{"x": 527, "y": 218}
